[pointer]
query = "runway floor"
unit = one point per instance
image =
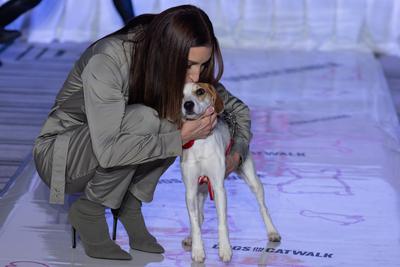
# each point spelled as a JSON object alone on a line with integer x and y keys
{"x": 326, "y": 145}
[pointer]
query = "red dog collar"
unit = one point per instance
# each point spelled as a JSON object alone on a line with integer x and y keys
{"x": 188, "y": 144}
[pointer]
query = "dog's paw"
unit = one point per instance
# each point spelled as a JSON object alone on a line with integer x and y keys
{"x": 274, "y": 237}
{"x": 225, "y": 253}
{"x": 187, "y": 243}
{"x": 198, "y": 254}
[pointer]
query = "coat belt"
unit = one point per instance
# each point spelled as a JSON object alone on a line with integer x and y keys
{"x": 59, "y": 164}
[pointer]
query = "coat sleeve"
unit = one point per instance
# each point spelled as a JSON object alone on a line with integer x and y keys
{"x": 117, "y": 139}
{"x": 241, "y": 115}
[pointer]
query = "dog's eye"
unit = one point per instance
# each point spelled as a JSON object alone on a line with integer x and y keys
{"x": 200, "y": 92}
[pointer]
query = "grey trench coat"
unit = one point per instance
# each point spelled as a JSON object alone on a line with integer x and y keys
{"x": 93, "y": 142}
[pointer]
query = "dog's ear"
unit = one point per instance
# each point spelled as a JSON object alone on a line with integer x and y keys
{"x": 218, "y": 102}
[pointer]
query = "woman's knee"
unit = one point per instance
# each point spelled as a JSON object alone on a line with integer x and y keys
{"x": 43, "y": 158}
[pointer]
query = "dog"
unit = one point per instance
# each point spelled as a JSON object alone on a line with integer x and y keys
{"x": 204, "y": 161}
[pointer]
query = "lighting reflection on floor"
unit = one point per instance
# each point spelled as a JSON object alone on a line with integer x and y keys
{"x": 326, "y": 150}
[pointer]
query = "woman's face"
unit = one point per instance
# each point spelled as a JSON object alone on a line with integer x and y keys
{"x": 198, "y": 57}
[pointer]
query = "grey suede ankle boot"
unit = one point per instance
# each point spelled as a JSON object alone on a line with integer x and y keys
{"x": 131, "y": 217}
{"x": 89, "y": 220}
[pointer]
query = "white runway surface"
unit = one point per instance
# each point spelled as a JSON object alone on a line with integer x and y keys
{"x": 326, "y": 146}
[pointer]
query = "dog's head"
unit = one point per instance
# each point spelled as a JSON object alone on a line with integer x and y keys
{"x": 197, "y": 97}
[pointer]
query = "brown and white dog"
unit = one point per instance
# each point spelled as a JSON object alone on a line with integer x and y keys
{"x": 206, "y": 158}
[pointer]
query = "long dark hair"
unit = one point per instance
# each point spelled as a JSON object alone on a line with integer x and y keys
{"x": 160, "y": 57}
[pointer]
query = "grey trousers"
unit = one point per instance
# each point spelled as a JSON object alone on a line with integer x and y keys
{"x": 105, "y": 186}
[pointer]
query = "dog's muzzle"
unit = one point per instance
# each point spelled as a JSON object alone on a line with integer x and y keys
{"x": 188, "y": 106}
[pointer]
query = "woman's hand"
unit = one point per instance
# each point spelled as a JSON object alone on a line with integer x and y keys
{"x": 232, "y": 163}
{"x": 200, "y": 128}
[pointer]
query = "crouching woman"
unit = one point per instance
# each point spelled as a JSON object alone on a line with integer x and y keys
{"x": 116, "y": 124}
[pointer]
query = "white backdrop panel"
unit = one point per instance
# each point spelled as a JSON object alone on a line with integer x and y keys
{"x": 281, "y": 24}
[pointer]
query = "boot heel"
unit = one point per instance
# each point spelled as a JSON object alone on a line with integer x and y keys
{"x": 115, "y": 213}
{"x": 89, "y": 221}
{"x": 73, "y": 235}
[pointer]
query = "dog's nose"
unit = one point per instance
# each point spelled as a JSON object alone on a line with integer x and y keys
{"x": 188, "y": 105}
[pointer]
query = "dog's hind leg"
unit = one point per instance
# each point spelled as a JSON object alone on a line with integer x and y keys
{"x": 248, "y": 173}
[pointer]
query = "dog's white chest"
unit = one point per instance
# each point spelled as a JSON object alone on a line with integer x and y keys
{"x": 214, "y": 145}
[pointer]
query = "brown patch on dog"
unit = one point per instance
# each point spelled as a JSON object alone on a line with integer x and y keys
{"x": 216, "y": 99}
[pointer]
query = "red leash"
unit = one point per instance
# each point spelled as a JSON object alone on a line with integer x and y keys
{"x": 204, "y": 179}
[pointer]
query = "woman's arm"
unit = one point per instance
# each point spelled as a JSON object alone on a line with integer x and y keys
{"x": 114, "y": 142}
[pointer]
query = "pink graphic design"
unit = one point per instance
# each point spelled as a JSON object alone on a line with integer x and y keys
{"x": 274, "y": 124}
{"x": 333, "y": 217}
{"x": 324, "y": 181}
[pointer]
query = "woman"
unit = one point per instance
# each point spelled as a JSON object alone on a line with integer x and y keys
{"x": 116, "y": 123}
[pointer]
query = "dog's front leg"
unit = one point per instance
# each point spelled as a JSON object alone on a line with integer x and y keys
{"x": 198, "y": 253}
{"x": 192, "y": 204}
{"x": 217, "y": 180}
